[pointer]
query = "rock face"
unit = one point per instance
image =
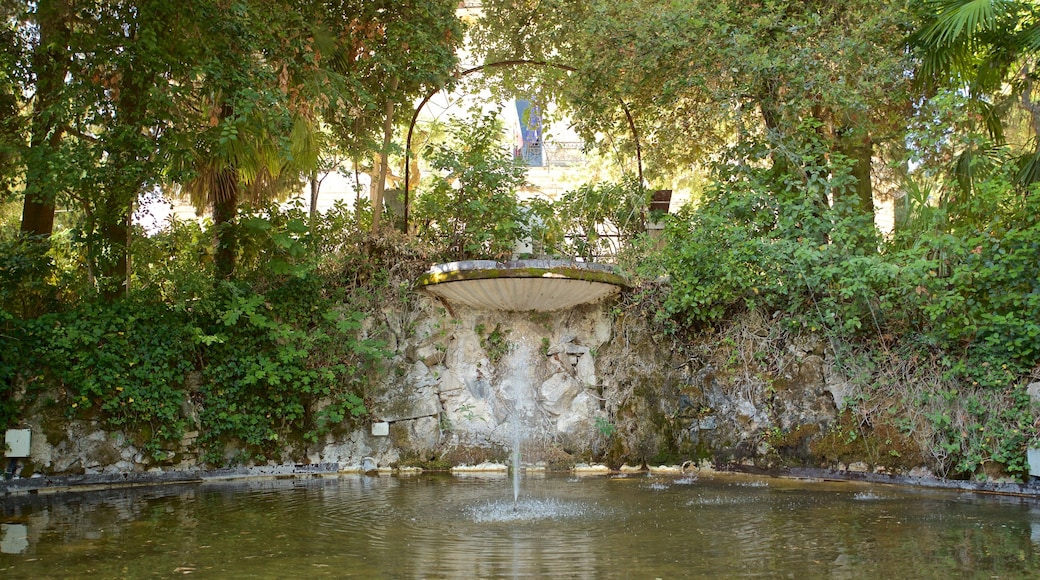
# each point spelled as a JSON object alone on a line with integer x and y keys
{"x": 475, "y": 379}
{"x": 587, "y": 384}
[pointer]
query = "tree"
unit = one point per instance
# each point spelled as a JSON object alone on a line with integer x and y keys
{"x": 387, "y": 54}
{"x": 50, "y": 60}
{"x": 134, "y": 82}
{"x": 12, "y": 122}
{"x": 984, "y": 47}
{"x": 291, "y": 66}
{"x": 106, "y": 84}
{"x": 470, "y": 206}
{"x": 819, "y": 87}
{"x": 225, "y": 100}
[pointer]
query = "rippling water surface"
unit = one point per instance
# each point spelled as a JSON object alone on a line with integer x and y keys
{"x": 437, "y": 526}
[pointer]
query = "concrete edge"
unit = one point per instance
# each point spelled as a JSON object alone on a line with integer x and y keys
{"x": 1018, "y": 489}
{"x": 101, "y": 481}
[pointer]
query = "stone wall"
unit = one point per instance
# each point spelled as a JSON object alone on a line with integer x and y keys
{"x": 589, "y": 384}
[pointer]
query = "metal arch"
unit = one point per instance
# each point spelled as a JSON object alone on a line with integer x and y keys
{"x": 476, "y": 69}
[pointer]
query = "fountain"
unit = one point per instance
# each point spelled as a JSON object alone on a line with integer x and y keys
{"x": 521, "y": 286}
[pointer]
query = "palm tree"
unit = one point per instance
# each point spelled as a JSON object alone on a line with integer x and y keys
{"x": 248, "y": 162}
{"x": 986, "y": 47}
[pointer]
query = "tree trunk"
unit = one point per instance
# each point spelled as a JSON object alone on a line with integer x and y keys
{"x": 901, "y": 173}
{"x": 116, "y": 271}
{"x": 130, "y": 152}
{"x": 858, "y": 197}
{"x": 1030, "y": 168}
{"x": 388, "y": 135}
{"x": 859, "y": 148}
{"x": 50, "y": 62}
{"x": 225, "y": 207}
{"x": 313, "y": 209}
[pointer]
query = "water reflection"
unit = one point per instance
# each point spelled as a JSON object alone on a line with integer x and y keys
{"x": 442, "y": 526}
{"x": 14, "y": 538}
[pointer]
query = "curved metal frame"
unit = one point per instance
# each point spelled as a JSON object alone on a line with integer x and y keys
{"x": 476, "y": 69}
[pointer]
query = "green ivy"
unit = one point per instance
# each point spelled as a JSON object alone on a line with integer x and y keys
{"x": 126, "y": 360}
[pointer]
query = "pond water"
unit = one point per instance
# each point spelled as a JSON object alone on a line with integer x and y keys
{"x": 440, "y": 526}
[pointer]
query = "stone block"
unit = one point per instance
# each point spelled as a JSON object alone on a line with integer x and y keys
{"x": 1033, "y": 456}
{"x": 558, "y": 391}
{"x": 430, "y": 354}
{"x": 1034, "y": 392}
{"x": 17, "y": 442}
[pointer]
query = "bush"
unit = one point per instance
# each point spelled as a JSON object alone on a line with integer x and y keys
{"x": 959, "y": 286}
{"x": 592, "y": 221}
{"x": 470, "y": 208}
{"x": 125, "y": 360}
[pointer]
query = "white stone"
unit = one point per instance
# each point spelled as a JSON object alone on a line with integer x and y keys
{"x": 665, "y": 469}
{"x": 410, "y": 403}
{"x": 1033, "y": 456}
{"x": 14, "y": 538}
{"x": 578, "y": 419}
{"x": 1034, "y": 392}
{"x": 17, "y": 442}
{"x": 921, "y": 471}
{"x": 558, "y": 392}
{"x": 422, "y": 433}
{"x": 585, "y": 468}
{"x": 480, "y": 467}
{"x": 839, "y": 387}
{"x": 430, "y": 354}
{"x": 586, "y": 369}
{"x": 746, "y": 409}
{"x": 602, "y": 329}
{"x": 381, "y": 429}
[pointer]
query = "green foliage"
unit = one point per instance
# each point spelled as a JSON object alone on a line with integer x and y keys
{"x": 981, "y": 426}
{"x": 26, "y": 288}
{"x": 280, "y": 354}
{"x": 273, "y": 358}
{"x": 959, "y": 283}
{"x": 494, "y": 343}
{"x": 470, "y": 208}
{"x": 767, "y": 238}
{"x": 102, "y": 102}
{"x": 125, "y": 362}
{"x": 590, "y": 222}
{"x": 698, "y": 75}
{"x": 604, "y": 427}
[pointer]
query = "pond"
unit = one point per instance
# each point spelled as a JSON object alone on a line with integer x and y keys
{"x": 442, "y": 526}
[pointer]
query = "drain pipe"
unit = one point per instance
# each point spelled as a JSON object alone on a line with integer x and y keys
{"x": 369, "y": 464}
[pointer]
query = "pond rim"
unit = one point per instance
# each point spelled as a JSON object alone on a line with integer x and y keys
{"x": 74, "y": 484}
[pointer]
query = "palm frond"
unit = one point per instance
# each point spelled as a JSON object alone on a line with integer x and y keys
{"x": 958, "y": 20}
{"x": 1029, "y": 168}
{"x": 1029, "y": 37}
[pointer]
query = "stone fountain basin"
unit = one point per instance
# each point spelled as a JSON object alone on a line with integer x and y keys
{"x": 522, "y": 285}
